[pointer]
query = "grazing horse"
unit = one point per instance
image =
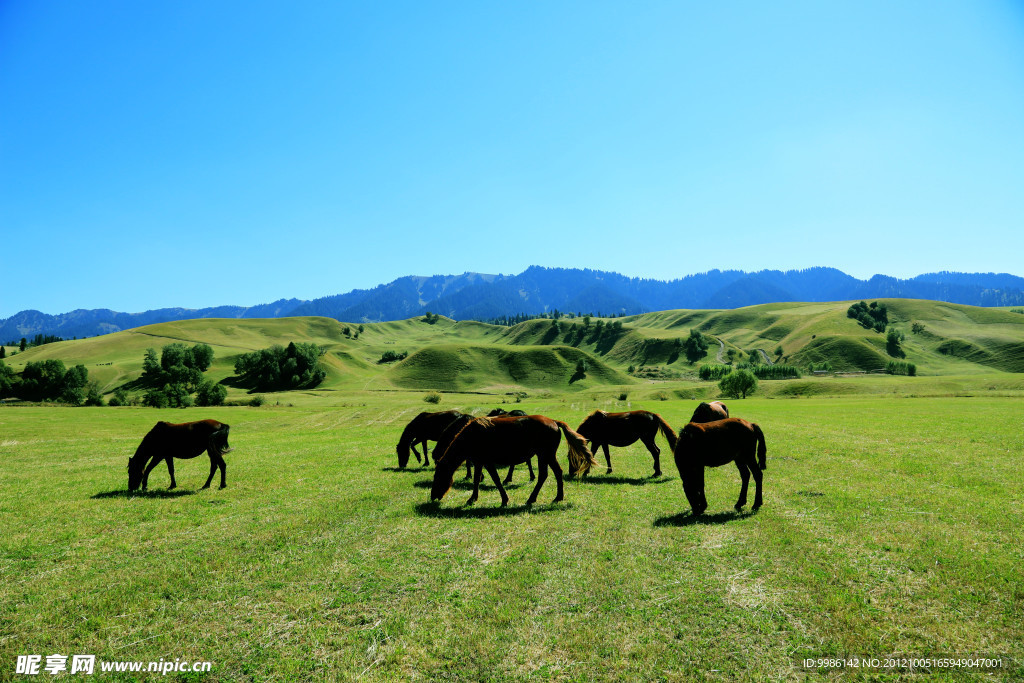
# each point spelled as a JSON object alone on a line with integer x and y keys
{"x": 712, "y": 444}
{"x": 623, "y": 429}
{"x": 423, "y": 427}
{"x": 452, "y": 430}
{"x": 709, "y": 412}
{"x": 167, "y": 441}
{"x": 498, "y": 412}
{"x": 494, "y": 442}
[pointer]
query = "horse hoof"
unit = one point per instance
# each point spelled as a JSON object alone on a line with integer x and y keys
{"x": 203, "y": 488}
{"x": 657, "y": 474}
{"x": 224, "y": 486}
{"x": 608, "y": 471}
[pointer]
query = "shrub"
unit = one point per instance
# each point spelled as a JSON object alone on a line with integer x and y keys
{"x": 899, "y": 367}
{"x": 120, "y": 398}
{"x": 211, "y": 394}
{"x": 623, "y": 396}
{"x": 93, "y": 397}
{"x": 776, "y": 371}
{"x": 738, "y": 383}
{"x": 824, "y": 366}
{"x": 257, "y": 400}
{"x": 392, "y": 356}
{"x": 433, "y": 397}
{"x": 713, "y": 372}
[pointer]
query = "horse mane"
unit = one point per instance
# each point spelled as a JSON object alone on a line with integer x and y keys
{"x": 594, "y": 415}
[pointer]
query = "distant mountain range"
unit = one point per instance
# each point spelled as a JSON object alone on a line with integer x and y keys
{"x": 476, "y": 296}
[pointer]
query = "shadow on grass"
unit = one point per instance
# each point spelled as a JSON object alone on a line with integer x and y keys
{"x": 408, "y": 470}
{"x": 434, "y": 509}
{"x": 125, "y": 493}
{"x": 467, "y": 485}
{"x": 631, "y": 481}
{"x": 687, "y": 518}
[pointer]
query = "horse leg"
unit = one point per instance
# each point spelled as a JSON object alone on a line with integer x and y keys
{"x": 469, "y": 468}
{"x": 557, "y": 469}
{"x": 149, "y": 468}
{"x": 529, "y": 463}
{"x": 745, "y": 475}
{"x": 756, "y": 471}
{"x": 213, "y": 468}
{"x": 415, "y": 452}
{"x": 491, "y": 470}
{"x": 426, "y": 454}
{"x": 170, "y": 469}
{"x": 223, "y": 471}
{"x": 477, "y": 474}
{"x": 693, "y": 486}
{"x": 508, "y": 477}
{"x": 542, "y": 465}
{"x": 607, "y": 457}
{"x": 655, "y": 453}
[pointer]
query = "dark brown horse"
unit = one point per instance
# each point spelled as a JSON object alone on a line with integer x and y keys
{"x": 167, "y": 441}
{"x": 712, "y": 444}
{"x": 423, "y": 427}
{"x": 449, "y": 435}
{"x": 494, "y": 442}
{"x": 623, "y": 429}
{"x": 709, "y": 412}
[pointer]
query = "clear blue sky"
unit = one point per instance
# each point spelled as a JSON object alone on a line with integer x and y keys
{"x": 195, "y": 153}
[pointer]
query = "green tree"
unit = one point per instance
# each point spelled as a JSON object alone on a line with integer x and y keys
{"x": 696, "y": 346}
{"x": 151, "y": 370}
{"x": 738, "y": 383}
{"x": 93, "y": 396}
{"x": 893, "y": 343}
{"x": 211, "y": 394}
{"x": 42, "y": 380}
{"x": 23, "y": 344}
{"x": 3, "y": 353}
{"x": 8, "y": 381}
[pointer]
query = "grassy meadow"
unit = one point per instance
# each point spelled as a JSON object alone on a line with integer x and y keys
{"x": 892, "y": 522}
{"x": 891, "y": 525}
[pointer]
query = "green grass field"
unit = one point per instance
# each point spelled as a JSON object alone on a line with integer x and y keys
{"x": 891, "y": 525}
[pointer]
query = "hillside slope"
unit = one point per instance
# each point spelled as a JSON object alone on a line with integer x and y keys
{"x": 471, "y": 356}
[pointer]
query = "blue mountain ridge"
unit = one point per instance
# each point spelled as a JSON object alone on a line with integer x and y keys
{"x": 478, "y": 296}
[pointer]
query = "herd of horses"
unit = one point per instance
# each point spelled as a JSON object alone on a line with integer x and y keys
{"x": 710, "y": 439}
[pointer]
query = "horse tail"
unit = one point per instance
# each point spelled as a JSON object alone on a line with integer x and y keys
{"x": 762, "y": 449}
{"x": 667, "y": 432}
{"x": 580, "y": 457}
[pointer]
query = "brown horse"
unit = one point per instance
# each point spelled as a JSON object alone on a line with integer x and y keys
{"x": 423, "y": 427}
{"x": 449, "y": 434}
{"x": 167, "y": 441}
{"x": 709, "y": 412}
{"x": 623, "y": 429}
{"x": 498, "y": 412}
{"x": 712, "y": 444}
{"x": 494, "y": 442}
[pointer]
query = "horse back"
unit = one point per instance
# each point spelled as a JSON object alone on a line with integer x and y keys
{"x": 718, "y": 442}
{"x": 507, "y": 440}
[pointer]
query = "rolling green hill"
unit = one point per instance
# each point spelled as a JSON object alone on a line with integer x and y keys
{"x": 446, "y": 355}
